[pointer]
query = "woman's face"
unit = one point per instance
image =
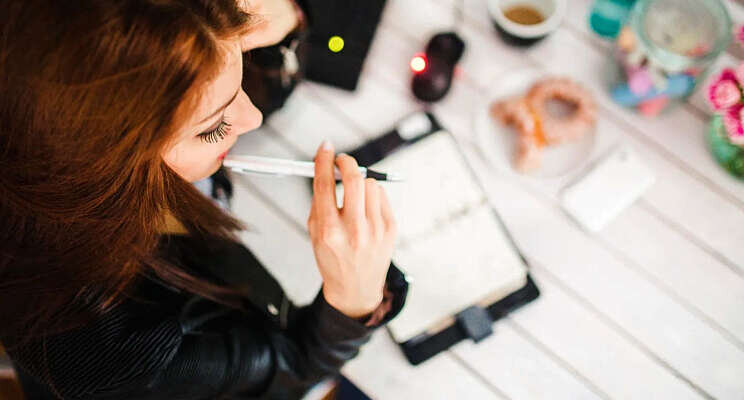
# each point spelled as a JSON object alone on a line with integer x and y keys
{"x": 224, "y": 112}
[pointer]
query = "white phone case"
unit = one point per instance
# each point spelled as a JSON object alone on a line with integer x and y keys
{"x": 605, "y": 191}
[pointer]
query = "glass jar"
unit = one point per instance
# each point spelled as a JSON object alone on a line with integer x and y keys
{"x": 665, "y": 50}
{"x": 728, "y": 154}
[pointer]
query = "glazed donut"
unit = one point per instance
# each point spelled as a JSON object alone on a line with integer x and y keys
{"x": 529, "y": 152}
{"x": 559, "y": 129}
{"x": 514, "y": 113}
{"x": 531, "y": 140}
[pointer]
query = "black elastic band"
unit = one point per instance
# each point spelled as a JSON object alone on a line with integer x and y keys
{"x": 420, "y": 349}
{"x": 376, "y": 175}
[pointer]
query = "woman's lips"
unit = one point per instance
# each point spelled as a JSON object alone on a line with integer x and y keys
{"x": 222, "y": 156}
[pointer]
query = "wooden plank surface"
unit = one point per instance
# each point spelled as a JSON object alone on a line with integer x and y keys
{"x": 648, "y": 308}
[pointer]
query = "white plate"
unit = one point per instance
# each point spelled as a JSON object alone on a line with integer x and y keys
{"x": 497, "y": 141}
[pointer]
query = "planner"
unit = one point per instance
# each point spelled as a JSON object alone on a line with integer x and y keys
{"x": 451, "y": 244}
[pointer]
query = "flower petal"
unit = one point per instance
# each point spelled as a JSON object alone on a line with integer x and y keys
{"x": 732, "y": 121}
{"x": 725, "y": 90}
{"x": 724, "y": 95}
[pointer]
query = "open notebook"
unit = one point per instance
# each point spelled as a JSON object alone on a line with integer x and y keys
{"x": 451, "y": 244}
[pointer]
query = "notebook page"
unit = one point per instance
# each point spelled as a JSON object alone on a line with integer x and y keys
{"x": 450, "y": 243}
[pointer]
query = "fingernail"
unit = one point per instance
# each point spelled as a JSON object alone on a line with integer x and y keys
{"x": 326, "y": 145}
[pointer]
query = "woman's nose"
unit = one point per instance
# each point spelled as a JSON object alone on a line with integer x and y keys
{"x": 249, "y": 117}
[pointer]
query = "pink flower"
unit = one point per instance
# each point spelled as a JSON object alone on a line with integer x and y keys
{"x": 740, "y": 34}
{"x": 724, "y": 92}
{"x": 732, "y": 121}
{"x": 739, "y": 74}
{"x": 724, "y": 95}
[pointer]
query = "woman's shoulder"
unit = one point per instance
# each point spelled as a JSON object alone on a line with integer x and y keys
{"x": 123, "y": 347}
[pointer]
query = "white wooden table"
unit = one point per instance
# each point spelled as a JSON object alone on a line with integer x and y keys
{"x": 651, "y": 307}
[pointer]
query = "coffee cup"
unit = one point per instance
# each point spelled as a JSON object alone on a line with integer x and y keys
{"x": 524, "y": 22}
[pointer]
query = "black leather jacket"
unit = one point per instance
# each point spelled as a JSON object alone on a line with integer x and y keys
{"x": 173, "y": 345}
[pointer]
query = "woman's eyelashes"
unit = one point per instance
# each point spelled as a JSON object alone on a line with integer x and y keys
{"x": 217, "y": 134}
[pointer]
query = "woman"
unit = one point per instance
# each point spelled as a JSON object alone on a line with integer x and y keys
{"x": 112, "y": 265}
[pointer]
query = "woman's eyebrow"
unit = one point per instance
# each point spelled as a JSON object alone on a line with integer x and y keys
{"x": 222, "y": 107}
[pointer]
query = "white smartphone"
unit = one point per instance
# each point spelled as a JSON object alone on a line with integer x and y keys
{"x": 607, "y": 189}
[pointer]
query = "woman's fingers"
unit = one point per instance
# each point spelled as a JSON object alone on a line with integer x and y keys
{"x": 387, "y": 213}
{"x": 353, "y": 209}
{"x": 324, "y": 184}
{"x": 372, "y": 205}
{"x": 353, "y": 252}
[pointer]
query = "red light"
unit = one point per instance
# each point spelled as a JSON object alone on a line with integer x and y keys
{"x": 418, "y": 63}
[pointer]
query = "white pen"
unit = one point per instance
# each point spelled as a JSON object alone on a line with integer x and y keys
{"x": 282, "y": 167}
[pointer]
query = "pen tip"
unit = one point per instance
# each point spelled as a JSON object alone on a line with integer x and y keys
{"x": 393, "y": 177}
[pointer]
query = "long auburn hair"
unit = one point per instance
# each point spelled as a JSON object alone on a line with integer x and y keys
{"x": 90, "y": 93}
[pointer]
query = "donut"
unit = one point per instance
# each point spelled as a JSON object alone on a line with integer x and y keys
{"x": 537, "y": 126}
{"x": 528, "y": 156}
{"x": 561, "y": 128}
{"x": 514, "y": 113}
{"x": 531, "y": 140}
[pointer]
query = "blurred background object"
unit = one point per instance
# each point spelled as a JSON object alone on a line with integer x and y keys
{"x": 329, "y": 45}
{"x": 665, "y": 50}
{"x": 726, "y": 129}
{"x": 525, "y": 22}
{"x": 608, "y": 16}
{"x": 433, "y": 70}
{"x": 340, "y": 35}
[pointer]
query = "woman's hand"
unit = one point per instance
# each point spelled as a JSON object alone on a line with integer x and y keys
{"x": 275, "y": 19}
{"x": 352, "y": 245}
